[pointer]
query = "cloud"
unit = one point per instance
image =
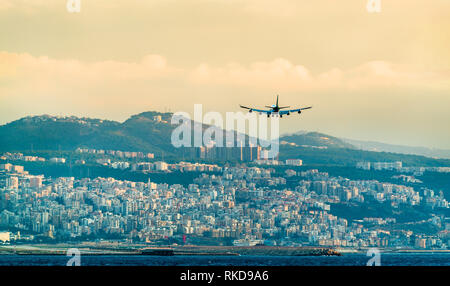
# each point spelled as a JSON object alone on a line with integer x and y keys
{"x": 281, "y": 74}
{"x": 25, "y": 67}
{"x": 30, "y": 84}
{"x": 112, "y": 89}
{"x": 378, "y": 93}
{"x": 277, "y": 75}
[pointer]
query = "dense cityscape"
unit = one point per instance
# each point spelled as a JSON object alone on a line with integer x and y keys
{"x": 243, "y": 205}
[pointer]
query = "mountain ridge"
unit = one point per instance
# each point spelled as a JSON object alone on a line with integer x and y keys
{"x": 151, "y": 131}
{"x": 400, "y": 149}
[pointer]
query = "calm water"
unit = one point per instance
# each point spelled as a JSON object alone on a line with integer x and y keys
{"x": 388, "y": 259}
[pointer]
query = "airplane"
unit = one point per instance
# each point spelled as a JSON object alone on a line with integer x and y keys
{"x": 275, "y": 110}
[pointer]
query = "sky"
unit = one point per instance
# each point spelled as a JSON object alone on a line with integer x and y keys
{"x": 369, "y": 76}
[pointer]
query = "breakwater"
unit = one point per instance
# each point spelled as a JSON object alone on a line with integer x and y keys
{"x": 241, "y": 250}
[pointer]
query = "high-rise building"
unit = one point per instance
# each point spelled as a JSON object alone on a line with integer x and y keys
{"x": 151, "y": 186}
{"x": 35, "y": 182}
{"x": 241, "y": 153}
{"x": 17, "y": 169}
{"x": 6, "y": 167}
{"x": 320, "y": 187}
{"x": 161, "y": 166}
{"x": 12, "y": 183}
{"x": 363, "y": 165}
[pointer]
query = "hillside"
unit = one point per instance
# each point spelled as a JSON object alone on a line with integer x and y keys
{"x": 151, "y": 132}
{"x": 145, "y": 132}
{"x": 140, "y": 132}
{"x": 384, "y": 147}
{"x": 314, "y": 139}
{"x": 349, "y": 157}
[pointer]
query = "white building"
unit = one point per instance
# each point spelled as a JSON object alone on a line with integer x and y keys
{"x": 58, "y": 160}
{"x": 363, "y": 165}
{"x": 120, "y": 165}
{"x": 294, "y": 162}
{"x": 6, "y": 167}
{"x": 161, "y": 166}
{"x": 17, "y": 169}
{"x": 5, "y": 236}
{"x": 12, "y": 183}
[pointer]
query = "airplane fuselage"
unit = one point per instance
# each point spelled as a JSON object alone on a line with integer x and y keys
{"x": 276, "y": 110}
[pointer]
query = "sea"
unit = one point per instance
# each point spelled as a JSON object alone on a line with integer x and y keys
{"x": 350, "y": 259}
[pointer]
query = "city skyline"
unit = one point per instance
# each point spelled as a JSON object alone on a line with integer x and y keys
{"x": 248, "y": 204}
{"x": 224, "y": 140}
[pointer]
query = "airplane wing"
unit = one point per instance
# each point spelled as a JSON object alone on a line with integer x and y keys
{"x": 298, "y": 110}
{"x": 256, "y": 110}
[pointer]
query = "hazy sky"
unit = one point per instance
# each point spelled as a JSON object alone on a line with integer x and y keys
{"x": 371, "y": 76}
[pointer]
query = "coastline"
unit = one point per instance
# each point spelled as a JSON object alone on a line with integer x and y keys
{"x": 61, "y": 249}
{"x": 170, "y": 250}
